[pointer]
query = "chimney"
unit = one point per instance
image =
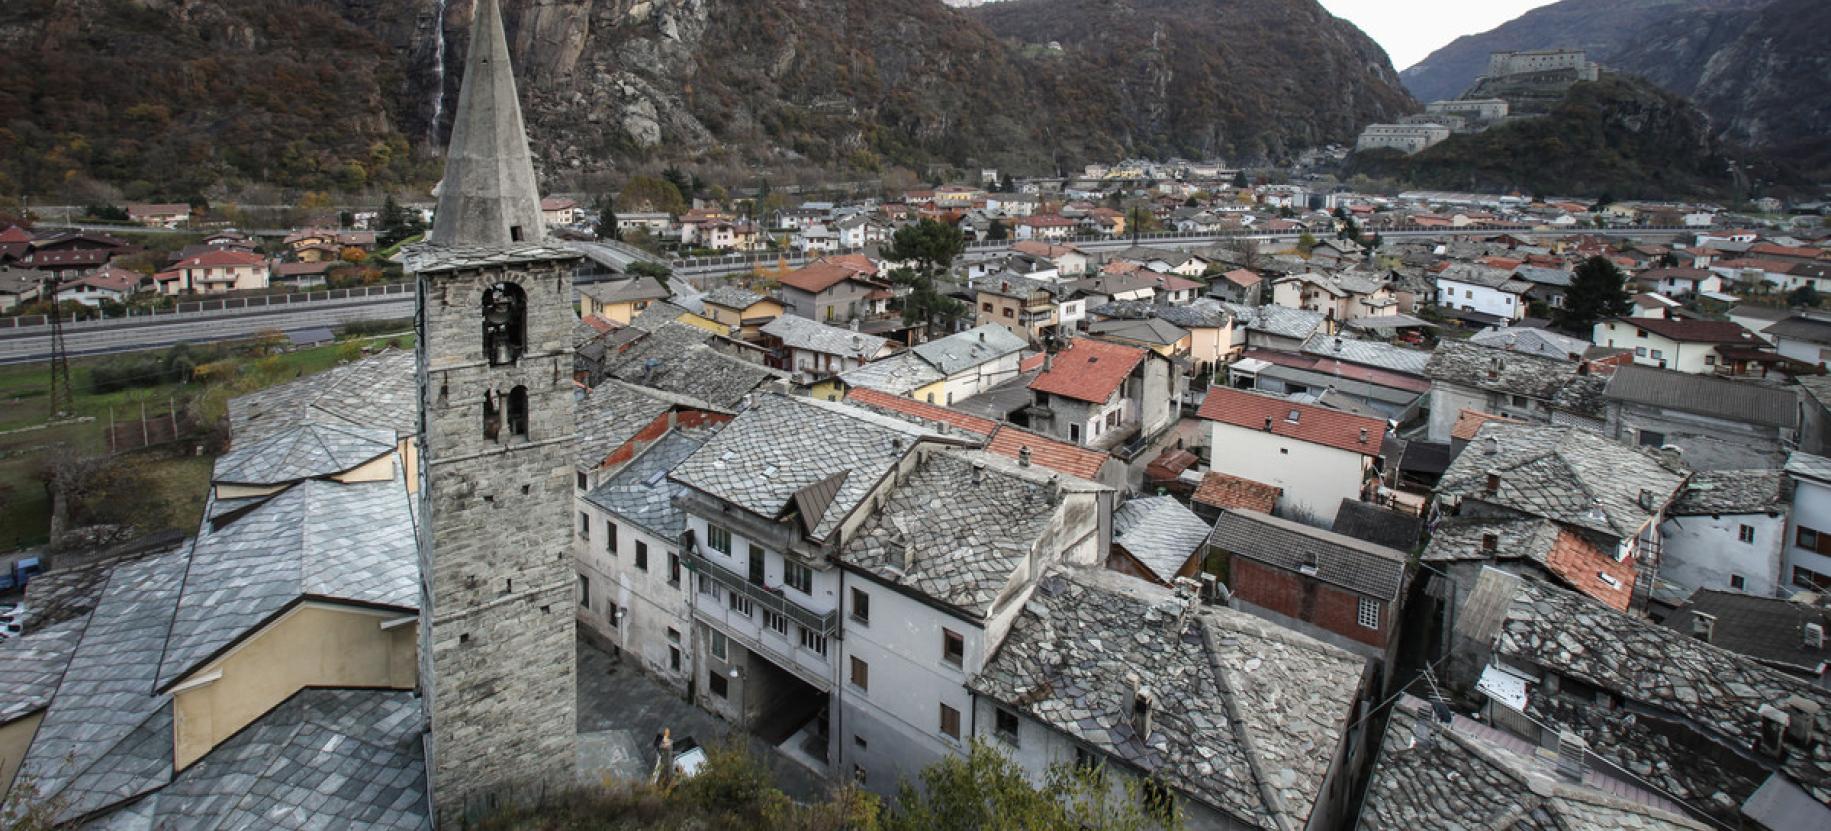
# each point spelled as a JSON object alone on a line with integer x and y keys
{"x": 1493, "y": 484}
{"x": 1268, "y": 424}
{"x": 982, "y": 337}
{"x": 1814, "y": 636}
{"x": 1142, "y": 703}
{"x": 1802, "y": 716}
{"x": 1573, "y": 756}
{"x": 1490, "y": 542}
{"x": 853, "y": 325}
{"x": 1363, "y": 435}
{"x": 1491, "y": 446}
{"x": 1646, "y": 500}
{"x": 1023, "y": 456}
{"x": 1773, "y": 731}
{"x": 1703, "y": 626}
{"x": 978, "y": 472}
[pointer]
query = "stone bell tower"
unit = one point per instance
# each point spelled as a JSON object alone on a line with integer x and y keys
{"x": 495, "y": 380}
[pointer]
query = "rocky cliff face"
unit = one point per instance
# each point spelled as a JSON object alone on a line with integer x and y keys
{"x": 1757, "y": 68}
{"x": 340, "y": 94}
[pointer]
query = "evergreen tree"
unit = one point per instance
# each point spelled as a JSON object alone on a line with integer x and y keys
{"x": 607, "y": 217}
{"x": 1239, "y": 178}
{"x": 681, "y": 182}
{"x": 398, "y": 223}
{"x": 1597, "y": 290}
{"x": 998, "y": 231}
{"x": 1806, "y": 295}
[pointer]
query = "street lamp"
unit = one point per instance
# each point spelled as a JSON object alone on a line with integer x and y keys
{"x": 743, "y": 717}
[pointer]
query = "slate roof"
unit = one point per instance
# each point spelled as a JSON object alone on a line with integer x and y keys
{"x": 973, "y": 347}
{"x": 1740, "y": 401}
{"x": 1221, "y": 490}
{"x": 1807, "y": 466}
{"x": 377, "y": 391}
{"x": 1800, "y": 327}
{"x": 33, "y": 664}
{"x": 430, "y": 258}
{"x": 801, "y": 333}
{"x": 107, "y": 735}
{"x": 675, "y": 359}
{"x": 642, "y": 494}
{"x": 323, "y": 758}
{"x": 1704, "y": 690}
{"x": 1515, "y": 373}
{"x": 1159, "y": 533}
{"x": 1356, "y": 565}
{"x": 733, "y": 297}
{"x": 1369, "y": 353}
{"x": 310, "y": 451}
{"x": 1529, "y": 341}
{"x": 610, "y": 415}
{"x": 1433, "y": 776}
{"x": 1731, "y": 492}
{"x": 1571, "y": 558}
{"x": 1276, "y": 320}
{"x": 1242, "y": 709}
{"x": 1566, "y": 474}
{"x": 1314, "y": 424}
{"x": 782, "y": 446}
{"x": 932, "y": 416}
{"x": 1768, "y": 629}
{"x": 1147, "y": 330}
{"x": 1088, "y": 370}
{"x": 627, "y": 290}
{"x": 315, "y": 539}
{"x": 1377, "y": 525}
{"x": 1203, "y": 313}
{"x": 899, "y": 374}
{"x": 957, "y": 538}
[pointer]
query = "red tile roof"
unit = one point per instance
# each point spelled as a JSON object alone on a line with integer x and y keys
{"x": 1242, "y": 278}
{"x": 14, "y": 233}
{"x": 827, "y": 272}
{"x": 1690, "y": 330}
{"x": 1225, "y": 491}
{"x": 1581, "y": 564}
{"x": 920, "y": 410}
{"x": 1046, "y": 250}
{"x": 1031, "y": 363}
{"x": 1175, "y": 282}
{"x": 1317, "y": 425}
{"x": 1054, "y": 454}
{"x": 224, "y": 257}
{"x": 1468, "y": 423}
{"x": 1088, "y": 370}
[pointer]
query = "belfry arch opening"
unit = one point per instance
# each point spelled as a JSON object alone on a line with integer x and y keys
{"x": 505, "y": 323}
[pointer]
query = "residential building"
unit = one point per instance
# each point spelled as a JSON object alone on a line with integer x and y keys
{"x": 218, "y": 272}
{"x": 1105, "y": 396}
{"x": 972, "y": 361}
{"x": 1153, "y": 333}
{"x": 1728, "y": 530}
{"x": 1678, "y": 282}
{"x": 1338, "y": 589}
{"x": 815, "y": 350}
{"x": 19, "y": 286}
{"x": 159, "y": 215}
{"x": 742, "y": 311}
{"x": 1684, "y": 344}
{"x": 834, "y": 290}
{"x": 1274, "y": 327}
{"x": 1338, "y": 297}
{"x": 1808, "y": 545}
{"x": 1031, "y": 308}
{"x": 1723, "y": 731}
{"x": 1801, "y": 338}
{"x": 1155, "y": 538}
{"x": 1461, "y": 548}
{"x": 1180, "y": 699}
{"x": 560, "y": 210}
{"x": 111, "y": 284}
{"x": 620, "y": 301}
{"x": 1777, "y": 632}
{"x": 1405, "y": 138}
{"x": 1520, "y": 386}
{"x": 1046, "y": 227}
{"x": 1712, "y": 423}
{"x": 1485, "y": 295}
{"x": 1069, "y": 260}
{"x": 1316, "y": 456}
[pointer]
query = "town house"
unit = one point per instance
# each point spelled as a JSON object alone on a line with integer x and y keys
{"x": 743, "y": 312}
{"x": 1684, "y": 344}
{"x": 1105, "y": 395}
{"x": 1518, "y": 385}
{"x": 217, "y": 272}
{"x": 1317, "y": 456}
{"x": 1728, "y": 530}
{"x": 834, "y": 290}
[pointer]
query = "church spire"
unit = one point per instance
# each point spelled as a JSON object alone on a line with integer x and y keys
{"x": 489, "y": 196}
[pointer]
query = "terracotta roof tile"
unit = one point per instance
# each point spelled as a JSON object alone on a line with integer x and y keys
{"x": 919, "y": 411}
{"x": 1468, "y": 423}
{"x": 1054, "y": 454}
{"x": 1224, "y": 491}
{"x": 1088, "y": 370}
{"x": 1317, "y": 425}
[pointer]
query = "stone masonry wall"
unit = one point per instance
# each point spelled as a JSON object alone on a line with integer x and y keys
{"x": 502, "y": 690}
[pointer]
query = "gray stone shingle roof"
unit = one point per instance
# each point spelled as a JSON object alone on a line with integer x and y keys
{"x": 899, "y": 374}
{"x": 1276, "y": 320}
{"x": 781, "y": 446}
{"x": 316, "y": 539}
{"x": 1146, "y": 330}
{"x": 608, "y": 416}
{"x": 1769, "y": 629}
{"x": 377, "y": 391}
{"x": 1368, "y": 353}
{"x": 33, "y": 664}
{"x": 971, "y": 348}
{"x": 1356, "y": 565}
{"x": 1066, "y": 664}
{"x": 675, "y": 359}
{"x": 1377, "y": 525}
{"x": 1808, "y": 466}
{"x": 92, "y": 747}
{"x": 1740, "y": 401}
{"x": 801, "y": 333}
{"x": 1713, "y": 693}
{"x": 626, "y": 290}
{"x": 430, "y": 258}
{"x": 1160, "y": 533}
{"x": 311, "y": 451}
{"x": 952, "y": 538}
{"x": 1565, "y": 474}
{"x": 733, "y": 297}
{"x": 641, "y": 493}
{"x": 1515, "y": 373}
{"x": 1460, "y": 776}
{"x": 1731, "y": 492}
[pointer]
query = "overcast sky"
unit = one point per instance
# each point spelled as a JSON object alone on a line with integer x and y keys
{"x": 1412, "y": 29}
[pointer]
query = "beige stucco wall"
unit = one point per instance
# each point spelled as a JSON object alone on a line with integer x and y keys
{"x": 15, "y": 740}
{"x": 314, "y": 645}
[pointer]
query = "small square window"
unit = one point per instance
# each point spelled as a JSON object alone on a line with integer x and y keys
{"x": 861, "y": 674}
{"x": 719, "y": 685}
{"x": 1745, "y": 533}
{"x": 953, "y": 647}
{"x": 1368, "y": 614}
{"x": 861, "y": 606}
{"x": 798, "y": 576}
{"x": 718, "y": 539}
{"x": 1736, "y": 582}
{"x": 741, "y": 604}
{"x": 950, "y": 722}
{"x": 776, "y": 622}
{"x": 1004, "y": 726}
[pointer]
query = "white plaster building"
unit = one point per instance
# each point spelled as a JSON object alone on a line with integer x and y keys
{"x": 1727, "y": 530}
{"x": 1316, "y": 455}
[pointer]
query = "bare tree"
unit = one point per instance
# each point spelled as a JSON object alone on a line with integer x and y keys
{"x": 70, "y": 479}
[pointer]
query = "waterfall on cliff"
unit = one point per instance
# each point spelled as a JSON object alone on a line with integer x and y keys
{"x": 438, "y": 74}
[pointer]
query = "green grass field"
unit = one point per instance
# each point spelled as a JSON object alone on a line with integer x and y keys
{"x": 160, "y": 487}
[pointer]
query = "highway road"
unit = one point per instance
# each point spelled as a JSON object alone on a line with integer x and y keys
{"x": 157, "y": 333}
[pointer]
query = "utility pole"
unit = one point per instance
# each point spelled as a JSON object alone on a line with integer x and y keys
{"x": 61, "y": 404}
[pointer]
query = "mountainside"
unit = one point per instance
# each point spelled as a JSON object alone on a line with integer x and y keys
{"x": 1758, "y": 68}
{"x": 1619, "y": 134}
{"x": 172, "y": 97}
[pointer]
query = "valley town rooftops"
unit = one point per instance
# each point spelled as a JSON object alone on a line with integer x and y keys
{"x": 1088, "y": 370}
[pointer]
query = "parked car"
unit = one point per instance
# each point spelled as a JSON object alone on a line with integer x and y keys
{"x": 22, "y": 571}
